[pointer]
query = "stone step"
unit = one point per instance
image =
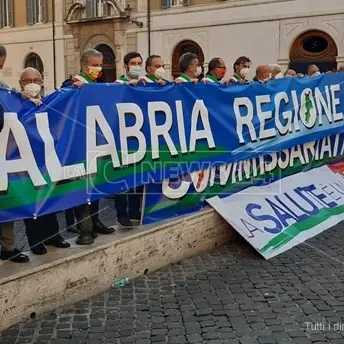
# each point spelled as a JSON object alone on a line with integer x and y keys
{"x": 65, "y": 276}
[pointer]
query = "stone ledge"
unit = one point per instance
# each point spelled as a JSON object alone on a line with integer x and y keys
{"x": 66, "y": 276}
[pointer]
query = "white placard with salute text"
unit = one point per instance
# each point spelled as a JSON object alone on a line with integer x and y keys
{"x": 275, "y": 217}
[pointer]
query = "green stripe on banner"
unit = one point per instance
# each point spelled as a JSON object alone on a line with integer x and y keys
{"x": 293, "y": 231}
{"x": 22, "y": 192}
{"x": 193, "y": 198}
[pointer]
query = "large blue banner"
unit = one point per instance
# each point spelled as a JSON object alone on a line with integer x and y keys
{"x": 81, "y": 145}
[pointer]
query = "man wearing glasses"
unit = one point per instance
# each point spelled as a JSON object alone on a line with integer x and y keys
{"x": 189, "y": 67}
{"x": 31, "y": 85}
{"x": 217, "y": 70}
{"x": 44, "y": 229}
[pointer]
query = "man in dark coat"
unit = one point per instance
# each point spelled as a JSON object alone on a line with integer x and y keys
{"x": 91, "y": 61}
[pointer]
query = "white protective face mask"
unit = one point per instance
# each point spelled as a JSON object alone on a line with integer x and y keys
{"x": 159, "y": 73}
{"x": 316, "y": 74}
{"x": 244, "y": 72}
{"x": 32, "y": 89}
{"x": 198, "y": 71}
{"x": 279, "y": 76}
{"x": 135, "y": 71}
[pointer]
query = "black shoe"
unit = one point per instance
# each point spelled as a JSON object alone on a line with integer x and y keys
{"x": 94, "y": 235}
{"x": 99, "y": 227}
{"x": 58, "y": 242}
{"x": 39, "y": 249}
{"x": 14, "y": 256}
{"x": 125, "y": 222}
{"x": 85, "y": 239}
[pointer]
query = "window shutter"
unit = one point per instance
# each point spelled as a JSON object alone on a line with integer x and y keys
{"x": 10, "y": 12}
{"x": 44, "y": 9}
{"x": 186, "y": 2}
{"x": 89, "y": 9}
{"x": 165, "y": 3}
{"x": 105, "y": 9}
{"x": 2, "y": 15}
{"x": 29, "y": 12}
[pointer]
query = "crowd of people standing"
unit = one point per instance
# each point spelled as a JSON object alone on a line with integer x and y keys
{"x": 84, "y": 219}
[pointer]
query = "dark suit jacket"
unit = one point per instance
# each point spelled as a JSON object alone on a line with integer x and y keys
{"x": 69, "y": 83}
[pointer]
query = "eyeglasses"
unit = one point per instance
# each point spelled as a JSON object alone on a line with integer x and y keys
{"x": 31, "y": 81}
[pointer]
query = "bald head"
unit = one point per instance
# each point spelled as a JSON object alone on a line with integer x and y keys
{"x": 30, "y": 76}
{"x": 263, "y": 73}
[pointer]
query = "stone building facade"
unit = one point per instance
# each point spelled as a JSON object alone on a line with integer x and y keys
{"x": 51, "y": 34}
{"x": 104, "y": 30}
{"x": 292, "y": 33}
{"x": 28, "y": 32}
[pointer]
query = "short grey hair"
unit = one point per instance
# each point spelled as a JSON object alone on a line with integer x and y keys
{"x": 313, "y": 66}
{"x": 31, "y": 69}
{"x": 186, "y": 61}
{"x": 88, "y": 53}
{"x": 3, "y": 51}
{"x": 275, "y": 66}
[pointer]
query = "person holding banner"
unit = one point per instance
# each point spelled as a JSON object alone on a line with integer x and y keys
{"x": 313, "y": 71}
{"x": 241, "y": 69}
{"x": 155, "y": 71}
{"x": 190, "y": 68}
{"x": 263, "y": 74}
{"x": 91, "y": 61}
{"x": 44, "y": 229}
{"x": 217, "y": 70}
{"x": 276, "y": 72}
{"x": 8, "y": 250}
{"x": 128, "y": 204}
{"x": 290, "y": 73}
{"x": 87, "y": 215}
{"x": 133, "y": 69}
{"x": 31, "y": 85}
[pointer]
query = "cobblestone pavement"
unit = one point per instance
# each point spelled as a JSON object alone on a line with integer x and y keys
{"x": 229, "y": 295}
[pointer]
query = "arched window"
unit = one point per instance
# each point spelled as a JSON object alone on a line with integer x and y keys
{"x": 109, "y": 62}
{"x": 313, "y": 47}
{"x": 182, "y": 48}
{"x": 34, "y": 61}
